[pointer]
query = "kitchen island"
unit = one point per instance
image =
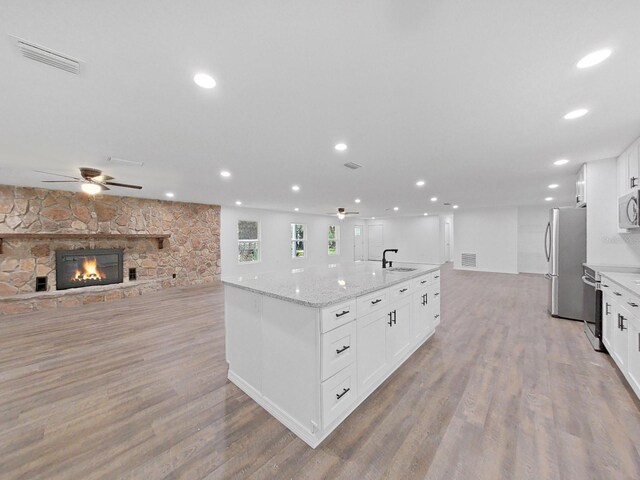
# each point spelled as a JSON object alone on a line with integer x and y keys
{"x": 310, "y": 344}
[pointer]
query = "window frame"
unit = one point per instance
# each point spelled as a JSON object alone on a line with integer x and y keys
{"x": 257, "y": 240}
{"x": 292, "y": 229}
{"x": 335, "y": 239}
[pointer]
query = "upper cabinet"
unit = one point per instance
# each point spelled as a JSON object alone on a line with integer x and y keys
{"x": 581, "y": 186}
{"x": 629, "y": 169}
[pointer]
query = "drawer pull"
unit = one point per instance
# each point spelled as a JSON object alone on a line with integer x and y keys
{"x": 437, "y": 276}
{"x": 423, "y": 282}
{"x": 436, "y": 316}
{"x": 344, "y": 312}
{"x": 632, "y": 304}
{"x": 436, "y": 294}
{"x": 377, "y": 300}
{"x": 604, "y": 285}
{"x": 340, "y": 350}
{"x": 617, "y": 294}
{"x": 402, "y": 290}
{"x": 344, "y": 392}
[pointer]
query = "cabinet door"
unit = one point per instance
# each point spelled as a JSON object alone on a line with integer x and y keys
{"x": 621, "y": 339}
{"x": 633, "y": 359}
{"x": 623, "y": 174}
{"x": 421, "y": 321}
{"x": 372, "y": 347}
{"x": 399, "y": 333}
{"x": 609, "y": 319}
{"x": 632, "y": 159}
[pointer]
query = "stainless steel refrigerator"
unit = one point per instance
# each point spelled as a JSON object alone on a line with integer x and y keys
{"x": 565, "y": 246}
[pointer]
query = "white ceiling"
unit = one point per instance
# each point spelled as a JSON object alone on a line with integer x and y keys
{"x": 468, "y": 95}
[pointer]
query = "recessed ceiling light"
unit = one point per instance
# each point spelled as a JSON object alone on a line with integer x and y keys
{"x": 580, "y": 112}
{"x": 548, "y": 199}
{"x": 91, "y": 188}
{"x": 420, "y": 183}
{"x": 434, "y": 199}
{"x": 225, "y": 173}
{"x": 238, "y": 202}
{"x": 455, "y": 206}
{"x": 357, "y": 200}
{"x": 425, "y": 214}
{"x": 341, "y": 147}
{"x": 395, "y": 209}
{"x": 203, "y": 80}
{"x": 554, "y": 185}
{"x": 594, "y": 58}
{"x": 373, "y": 218}
{"x": 295, "y": 188}
{"x": 169, "y": 194}
{"x": 296, "y": 209}
{"x": 562, "y": 161}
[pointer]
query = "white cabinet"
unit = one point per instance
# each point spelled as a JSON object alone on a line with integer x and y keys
{"x": 399, "y": 332}
{"x": 372, "y": 347}
{"x": 629, "y": 169}
{"x": 608, "y": 321}
{"x": 633, "y": 354}
{"x": 620, "y": 338}
{"x": 421, "y": 319}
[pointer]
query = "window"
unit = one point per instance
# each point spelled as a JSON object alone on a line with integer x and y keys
{"x": 334, "y": 239}
{"x": 298, "y": 240}
{"x": 248, "y": 241}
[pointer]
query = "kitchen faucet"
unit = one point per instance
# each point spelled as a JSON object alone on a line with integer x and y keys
{"x": 384, "y": 257}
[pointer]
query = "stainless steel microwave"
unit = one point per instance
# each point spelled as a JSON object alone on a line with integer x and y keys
{"x": 628, "y": 210}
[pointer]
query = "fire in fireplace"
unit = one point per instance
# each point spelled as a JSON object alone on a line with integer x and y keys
{"x": 83, "y": 268}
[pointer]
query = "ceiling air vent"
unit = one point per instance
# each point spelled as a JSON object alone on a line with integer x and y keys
{"x": 469, "y": 260}
{"x": 353, "y": 165}
{"x": 48, "y": 56}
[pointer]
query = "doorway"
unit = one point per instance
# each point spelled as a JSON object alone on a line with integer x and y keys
{"x": 358, "y": 243}
{"x": 376, "y": 243}
{"x": 447, "y": 241}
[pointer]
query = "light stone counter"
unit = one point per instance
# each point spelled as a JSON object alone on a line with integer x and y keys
{"x": 321, "y": 286}
{"x": 628, "y": 281}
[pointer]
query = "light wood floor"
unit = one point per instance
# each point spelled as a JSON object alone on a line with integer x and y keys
{"x": 137, "y": 389}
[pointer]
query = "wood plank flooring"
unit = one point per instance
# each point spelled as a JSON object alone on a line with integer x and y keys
{"x": 137, "y": 389}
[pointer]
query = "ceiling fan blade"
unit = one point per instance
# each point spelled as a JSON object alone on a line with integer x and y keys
{"x": 115, "y": 184}
{"x": 104, "y": 187}
{"x": 57, "y": 174}
{"x": 102, "y": 178}
{"x": 352, "y": 213}
{"x": 59, "y": 181}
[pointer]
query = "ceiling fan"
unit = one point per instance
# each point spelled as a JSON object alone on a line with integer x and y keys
{"x": 92, "y": 180}
{"x": 342, "y": 213}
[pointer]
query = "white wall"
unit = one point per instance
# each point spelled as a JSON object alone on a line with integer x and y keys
{"x": 490, "y": 233}
{"x": 532, "y": 224}
{"x": 276, "y": 240}
{"x": 417, "y": 239}
{"x": 605, "y": 245}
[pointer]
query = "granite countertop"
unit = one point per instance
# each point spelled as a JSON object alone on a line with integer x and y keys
{"x": 628, "y": 281}
{"x": 321, "y": 286}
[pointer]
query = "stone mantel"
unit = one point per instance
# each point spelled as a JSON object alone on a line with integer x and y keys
{"x": 160, "y": 237}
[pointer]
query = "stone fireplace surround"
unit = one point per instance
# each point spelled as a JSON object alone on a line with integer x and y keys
{"x": 191, "y": 254}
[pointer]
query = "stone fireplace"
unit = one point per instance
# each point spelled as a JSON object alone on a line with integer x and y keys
{"x": 88, "y": 267}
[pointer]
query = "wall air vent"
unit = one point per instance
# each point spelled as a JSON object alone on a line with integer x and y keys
{"x": 468, "y": 260}
{"x": 353, "y": 165}
{"x": 48, "y": 57}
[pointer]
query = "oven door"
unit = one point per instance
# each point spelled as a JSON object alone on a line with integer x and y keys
{"x": 628, "y": 211}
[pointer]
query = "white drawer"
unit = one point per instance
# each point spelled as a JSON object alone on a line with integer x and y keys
{"x": 338, "y": 349}
{"x": 421, "y": 282}
{"x": 399, "y": 291}
{"x": 372, "y": 302}
{"x": 337, "y": 315}
{"x": 338, "y": 394}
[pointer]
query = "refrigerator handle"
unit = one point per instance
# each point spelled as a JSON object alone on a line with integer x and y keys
{"x": 547, "y": 241}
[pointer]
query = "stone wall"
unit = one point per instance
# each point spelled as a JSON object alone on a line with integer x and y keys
{"x": 190, "y": 256}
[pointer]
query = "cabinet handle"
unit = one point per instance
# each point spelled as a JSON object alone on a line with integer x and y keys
{"x": 436, "y": 316}
{"x": 424, "y": 299}
{"x": 619, "y": 316}
{"x": 402, "y": 290}
{"x": 395, "y": 317}
{"x": 622, "y": 327}
{"x": 632, "y": 304}
{"x": 617, "y": 294}
{"x": 423, "y": 282}
{"x": 390, "y": 319}
{"x": 436, "y": 294}
{"x": 345, "y": 347}
{"x": 344, "y": 312}
{"x": 632, "y": 182}
{"x": 437, "y": 276}
{"x": 344, "y": 392}
{"x": 377, "y": 300}
{"x": 604, "y": 285}
{"x": 607, "y": 305}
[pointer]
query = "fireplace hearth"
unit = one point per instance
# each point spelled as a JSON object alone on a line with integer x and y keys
{"x": 84, "y": 268}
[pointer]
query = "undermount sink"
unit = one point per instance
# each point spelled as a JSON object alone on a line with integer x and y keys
{"x": 400, "y": 269}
